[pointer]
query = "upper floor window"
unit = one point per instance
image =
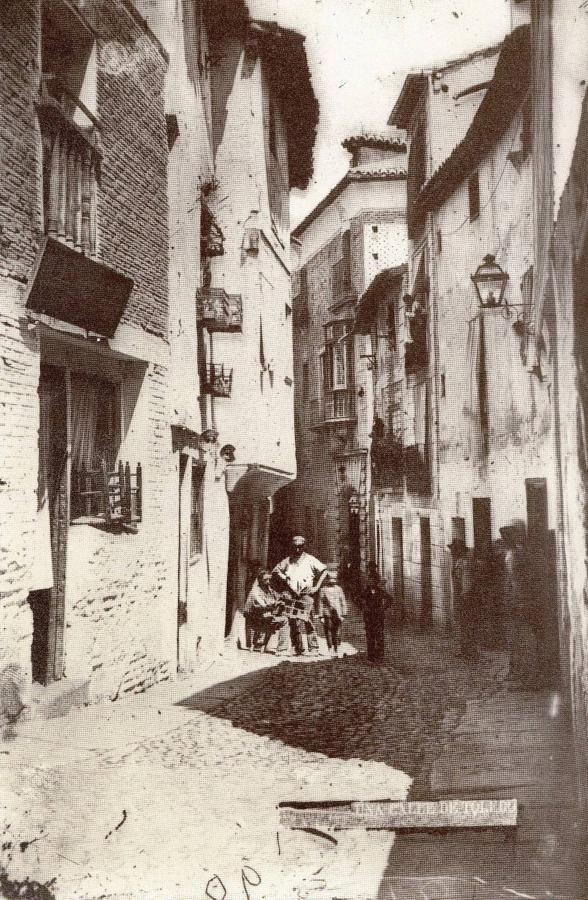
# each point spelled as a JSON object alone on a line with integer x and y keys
{"x": 305, "y": 381}
{"x": 69, "y": 128}
{"x": 68, "y": 60}
{"x": 474, "y": 196}
{"x": 341, "y": 270}
{"x": 276, "y": 158}
{"x": 337, "y": 357}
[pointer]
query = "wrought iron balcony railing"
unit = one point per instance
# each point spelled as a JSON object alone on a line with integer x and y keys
{"x": 217, "y": 380}
{"x": 219, "y": 311}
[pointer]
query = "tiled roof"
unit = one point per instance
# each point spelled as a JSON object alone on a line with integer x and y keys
{"x": 501, "y": 102}
{"x": 390, "y": 139}
{"x": 359, "y": 173}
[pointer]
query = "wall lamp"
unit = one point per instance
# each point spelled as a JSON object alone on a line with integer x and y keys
{"x": 490, "y": 282}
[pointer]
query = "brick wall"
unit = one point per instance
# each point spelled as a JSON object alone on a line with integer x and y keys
{"x": 120, "y": 599}
{"x": 132, "y": 197}
{"x": 20, "y": 200}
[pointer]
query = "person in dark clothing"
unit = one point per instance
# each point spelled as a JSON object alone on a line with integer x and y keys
{"x": 463, "y": 579}
{"x": 374, "y": 602}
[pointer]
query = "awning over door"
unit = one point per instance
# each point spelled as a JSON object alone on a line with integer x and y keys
{"x": 69, "y": 286}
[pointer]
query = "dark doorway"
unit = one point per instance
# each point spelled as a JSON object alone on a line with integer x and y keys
{"x": 543, "y": 561}
{"x": 482, "y": 514}
{"x": 354, "y": 536}
{"x": 537, "y": 522}
{"x": 426, "y": 616}
{"x": 48, "y": 606}
{"x": 397, "y": 559}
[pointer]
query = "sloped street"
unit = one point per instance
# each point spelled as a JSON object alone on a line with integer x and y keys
{"x": 174, "y": 793}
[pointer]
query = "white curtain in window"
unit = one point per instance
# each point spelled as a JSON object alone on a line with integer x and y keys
{"x": 85, "y": 398}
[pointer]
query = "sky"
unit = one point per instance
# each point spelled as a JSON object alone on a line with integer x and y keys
{"x": 359, "y": 52}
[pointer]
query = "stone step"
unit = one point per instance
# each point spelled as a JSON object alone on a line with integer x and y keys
{"x": 54, "y": 700}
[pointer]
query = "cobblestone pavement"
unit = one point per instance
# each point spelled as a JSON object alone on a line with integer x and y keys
{"x": 155, "y": 798}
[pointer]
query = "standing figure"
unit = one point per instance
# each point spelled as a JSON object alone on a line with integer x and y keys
{"x": 374, "y": 601}
{"x": 464, "y": 599}
{"x": 519, "y": 594}
{"x": 332, "y": 609}
{"x": 303, "y": 575}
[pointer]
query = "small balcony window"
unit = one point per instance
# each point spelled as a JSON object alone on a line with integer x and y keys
{"x": 219, "y": 311}
{"x": 217, "y": 380}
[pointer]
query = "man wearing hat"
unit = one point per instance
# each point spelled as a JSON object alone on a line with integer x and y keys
{"x": 462, "y": 579}
{"x": 304, "y": 575}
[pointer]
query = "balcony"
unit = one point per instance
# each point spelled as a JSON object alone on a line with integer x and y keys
{"x": 219, "y": 311}
{"x": 337, "y": 407}
{"x": 217, "y": 380}
{"x": 71, "y": 162}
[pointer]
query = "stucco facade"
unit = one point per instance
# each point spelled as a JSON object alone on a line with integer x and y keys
{"x": 486, "y": 437}
{"x": 357, "y": 231}
{"x": 559, "y": 303}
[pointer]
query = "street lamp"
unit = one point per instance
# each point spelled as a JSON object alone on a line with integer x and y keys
{"x": 490, "y": 282}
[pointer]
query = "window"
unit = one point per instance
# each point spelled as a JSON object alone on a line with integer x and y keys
{"x": 101, "y": 488}
{"x": 474, "y": 196}
{"x": 458, "y": 531}
{"x": 68, "y": 63}
{"x": 276, "y": 159}
{"x": 305, "y": 381}
{"x": 337, "y": 357}
{"x": 341, "y": 270}
{"x": 69, "y": 128}
{"x": 482, "y": 516}
{"x": 196, "y": 509}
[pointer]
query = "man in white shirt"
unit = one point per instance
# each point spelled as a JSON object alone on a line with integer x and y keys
{"x": 304, "y": 574}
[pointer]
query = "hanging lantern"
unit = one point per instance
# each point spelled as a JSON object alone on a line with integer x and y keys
{"x": 490, "y": 282}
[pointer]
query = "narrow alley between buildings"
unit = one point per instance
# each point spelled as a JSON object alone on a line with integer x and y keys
{"x": 174, "y": 793}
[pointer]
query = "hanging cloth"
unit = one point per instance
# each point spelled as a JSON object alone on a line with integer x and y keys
{"x": 84, "y": 415}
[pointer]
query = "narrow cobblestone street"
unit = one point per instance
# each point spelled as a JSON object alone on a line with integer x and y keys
{"x": 226, "y": 747}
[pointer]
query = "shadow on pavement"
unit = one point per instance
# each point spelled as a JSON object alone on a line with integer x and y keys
{"x": 393, "y": 713}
